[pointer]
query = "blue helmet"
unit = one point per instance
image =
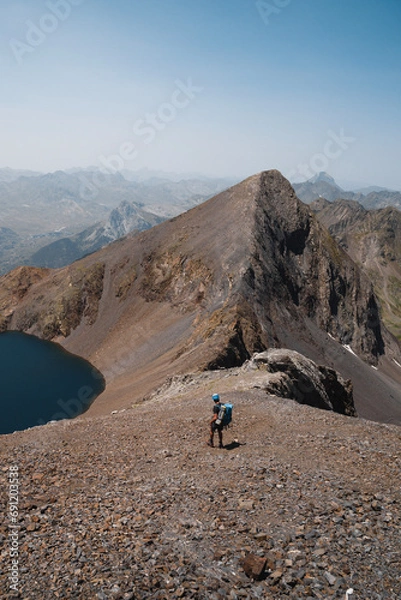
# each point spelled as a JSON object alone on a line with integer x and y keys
{"x": 216, "y": 397}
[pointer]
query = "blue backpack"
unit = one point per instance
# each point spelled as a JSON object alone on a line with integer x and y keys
{"x": 225, "y": 415}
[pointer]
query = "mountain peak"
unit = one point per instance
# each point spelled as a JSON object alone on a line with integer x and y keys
{"x": 324, "y": 177}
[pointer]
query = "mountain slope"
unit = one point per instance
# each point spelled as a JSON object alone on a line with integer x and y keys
{"x": 80, "y": 199}
{"x": 382, "y": 199}
{"x": 373, "y": 239}
{"x": 249, "y": 269}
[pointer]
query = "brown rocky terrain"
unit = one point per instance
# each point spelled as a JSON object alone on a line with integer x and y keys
{"x": 373, "y": 240}
{"x": 251, "y": 268}
{"x": 134, "y": 505}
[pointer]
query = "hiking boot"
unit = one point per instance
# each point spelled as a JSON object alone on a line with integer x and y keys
{"x": 221, "y": 446}
{"x": 210, "y": 444}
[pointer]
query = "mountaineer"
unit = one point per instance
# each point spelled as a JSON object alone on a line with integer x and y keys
{"x": 222, "y": 417}
{"x": 216, "y": 426}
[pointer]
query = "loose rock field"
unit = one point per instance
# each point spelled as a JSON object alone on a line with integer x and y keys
{"x": 135, "y": 505}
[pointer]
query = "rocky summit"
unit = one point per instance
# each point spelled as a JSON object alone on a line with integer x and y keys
{"x": 250, "y": 269}
{"x": 301, "y": 503}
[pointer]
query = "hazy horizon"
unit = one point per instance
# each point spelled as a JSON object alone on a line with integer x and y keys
{"x": 225, "y": 91}
{"x": 345, "y": 184}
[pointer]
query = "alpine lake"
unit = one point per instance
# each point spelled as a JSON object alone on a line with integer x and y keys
{"x": 42, "y": 382}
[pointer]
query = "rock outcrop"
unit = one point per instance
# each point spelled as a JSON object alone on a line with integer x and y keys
{"x": 69, "y": 298}
{"x": 292, "y": 375}
{"x": 14, "y": 288}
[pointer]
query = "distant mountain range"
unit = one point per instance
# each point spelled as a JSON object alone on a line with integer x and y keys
{"x": 126, "y": 218}
{"x": 7, "y": 175}
{"x": 47, "y": 203}
{"x": 323, "y": 185}
{"x": 62, "y": 209}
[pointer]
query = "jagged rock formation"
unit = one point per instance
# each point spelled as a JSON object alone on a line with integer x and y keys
{"x": 373, "y": 239}
{"x": 75, "y": 298}
{"x": 249, "y": 269}
{"x": 292, "y": 375}
{"x": 14, "y": 288}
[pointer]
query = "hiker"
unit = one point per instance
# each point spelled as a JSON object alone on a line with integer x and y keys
{"x": 213, "y": 425}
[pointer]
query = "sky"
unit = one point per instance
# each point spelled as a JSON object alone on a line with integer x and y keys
{"x": 226, "y": 88}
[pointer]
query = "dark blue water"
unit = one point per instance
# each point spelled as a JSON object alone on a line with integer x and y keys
{"x": 42, "y": 382}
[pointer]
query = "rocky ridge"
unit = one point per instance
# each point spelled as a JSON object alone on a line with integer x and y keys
{"x": 373, "y": 239}
{"x": 134, "y": 505}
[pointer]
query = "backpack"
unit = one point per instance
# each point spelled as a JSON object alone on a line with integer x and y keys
{"x": 225, "y": 415}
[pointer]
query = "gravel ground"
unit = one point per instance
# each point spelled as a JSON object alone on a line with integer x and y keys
{"x": 134, "y": 505}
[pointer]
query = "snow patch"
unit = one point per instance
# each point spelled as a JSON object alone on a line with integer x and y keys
{"x": 347, "y": 347}
{"x": 396, "y": 362}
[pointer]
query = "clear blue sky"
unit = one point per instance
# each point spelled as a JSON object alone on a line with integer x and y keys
{"x": 274, "y": 85}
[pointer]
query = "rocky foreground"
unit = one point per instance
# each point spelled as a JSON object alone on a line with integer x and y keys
{"x": 134, "y": 505}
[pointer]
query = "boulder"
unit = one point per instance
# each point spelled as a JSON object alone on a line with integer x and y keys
{"x": 292, "y": 375}
{"x": 254, "y": 566}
